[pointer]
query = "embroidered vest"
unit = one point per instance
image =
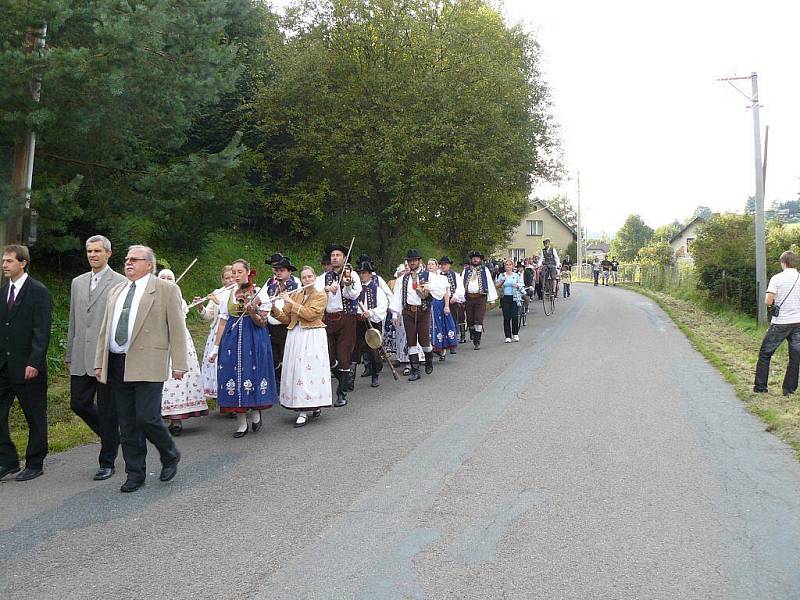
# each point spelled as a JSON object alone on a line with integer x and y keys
{"x": 423, "y": 276}
{"x": 451, "y": 278}
{"x": 483, "y": 284}
{"x": 350, "y": 306}
{"x": 369, "y": 293}
{"x": 237, "y": 300}
{"x": 275, "y": 287}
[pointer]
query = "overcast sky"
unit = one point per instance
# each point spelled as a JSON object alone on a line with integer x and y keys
{"x": 641, "y": 113}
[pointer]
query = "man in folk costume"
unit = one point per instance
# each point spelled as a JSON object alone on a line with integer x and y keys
{"x": 282, "y": 281}
{"x": 372, "y": 308}
{"x": 465, "y": 264}
{"x": 457, "y": 298}
{"x": 479, "y": 290}
{"x": 412, "y": 300}
{"x": 341, "y": 315}
{"x": 381, "y": 281}
{"x": 326, "y": 263}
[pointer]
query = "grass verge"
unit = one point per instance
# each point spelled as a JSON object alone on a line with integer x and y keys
{"x": 730, "y": 341}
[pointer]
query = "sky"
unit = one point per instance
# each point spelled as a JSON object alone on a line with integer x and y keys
{"x": 640, "y": 112}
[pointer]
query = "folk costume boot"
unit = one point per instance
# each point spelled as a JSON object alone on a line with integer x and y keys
{"x": 341, "y": 390}
{"x": 374, "y": 371}
{"x": 367, "y": 360}
{"x": 351, "y": 377}
{"x": 414, "y": 358}
{"x": 428, "y": 363}
{"x": 476, "y": 340}
{"x": 471, "y": 334}
{"x": 462, "y": 330}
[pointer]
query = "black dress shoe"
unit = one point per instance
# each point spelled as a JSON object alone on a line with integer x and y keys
{"x": 257, "y": 426}
{"x": 103, "y": 473}
{"x": 131, "y": 485}
{"x": 29, "y": 473}
{"x": 239, "y": 434}
{"x": 175, "y": 429}
{"x": 317, "y": 413}
{"x": 8, "y": 471}
{"x": 169, "y": 471}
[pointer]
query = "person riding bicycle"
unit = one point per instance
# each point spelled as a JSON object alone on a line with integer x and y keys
{"x": 549, "y": 259}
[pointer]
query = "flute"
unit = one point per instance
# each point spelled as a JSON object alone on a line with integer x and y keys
{"x": 204, "y": 298}
{"x": 271, "y": 298}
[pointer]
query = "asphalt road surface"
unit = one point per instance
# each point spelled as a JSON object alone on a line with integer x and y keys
{"x": 600, "y": 457}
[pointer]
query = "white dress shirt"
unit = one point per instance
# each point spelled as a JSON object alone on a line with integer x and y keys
{"x": 141, "y": 285}
{"x": 377, "y": 314}
{"x": 412, "y": 298}
{"x": 96, "y": 277}
{"x": 351, "y": 292}
{"x": 17, "y": 286}
{"x": 473, "y": 286}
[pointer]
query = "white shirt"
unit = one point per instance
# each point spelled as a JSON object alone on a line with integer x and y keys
{"x": 266, "y": 303}
{"x": 788, "y": 298}
{"x": 141, "y": 285}
{"x": 412, "y": 298}
{"x": 555, "y": 256}
{"x": 17, "y": 286}
{"x": 96, "y": 277}
{"x": 438, "y": 285}
{"x": 377, "y": 314}
{"x": 473, "y": 287}
{"x": 458, "y": 295}
{"x": 351, "y": 292}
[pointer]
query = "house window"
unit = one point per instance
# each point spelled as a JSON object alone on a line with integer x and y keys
{"x": 535, "y": 227}
{"x": 689, "y": 245}
{"x": 518, "y": 254}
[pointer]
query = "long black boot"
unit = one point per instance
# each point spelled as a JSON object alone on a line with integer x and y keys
{"x": 351, "y": 377}
{"x": 414, "y": 358}
{"x": 476, "y": 340}
{"x": 366, "y": 358}
{"x": 341, "y": 389}
{"x": 462, "y": 330}
{"x": 428, "y": 363}
{"x": 471, "y": 335}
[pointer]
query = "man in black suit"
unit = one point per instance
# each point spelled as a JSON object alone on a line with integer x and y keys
{"x": 24, "y": 338}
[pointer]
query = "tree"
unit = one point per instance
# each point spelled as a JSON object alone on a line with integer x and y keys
{"x": 418, "y": 114}
{"x": 703, "y": 212}
{"x": 562, "y": 206}
{"x": 122, "y": 86}
{"x": 632, "y": 236}
{"x": 665, "y": 233}
{"x": 657, "y": 252}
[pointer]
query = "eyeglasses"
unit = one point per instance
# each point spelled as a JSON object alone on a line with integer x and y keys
{"x": 131, "y": 259}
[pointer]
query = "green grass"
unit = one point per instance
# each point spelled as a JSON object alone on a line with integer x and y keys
{"x": 65, "y": 430}
{"x": 730, "y": 341}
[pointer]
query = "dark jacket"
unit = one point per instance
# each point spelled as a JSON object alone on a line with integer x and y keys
{"x": 25, "y": 331}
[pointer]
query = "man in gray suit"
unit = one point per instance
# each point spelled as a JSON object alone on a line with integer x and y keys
{"x": 142, "y": 332}
{"x": 86, "y": 310}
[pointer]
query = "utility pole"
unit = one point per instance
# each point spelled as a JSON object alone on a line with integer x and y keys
{"x": 20, "y": 225}
{"x": 761, "y": 245}
{"x": 580, "y": 230}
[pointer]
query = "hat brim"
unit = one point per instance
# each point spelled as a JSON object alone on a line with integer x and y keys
{"x": 334, "y": 248}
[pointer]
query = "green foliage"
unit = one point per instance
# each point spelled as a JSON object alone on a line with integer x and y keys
{"x": 632, "y": 236}
{"x": 724, "y": 260}
{"x": 780, "y": 238}
{"x": 665, "y": 233}
{"x": 562, "y": 206}
{"x": 656, "y": 253}
{"x": 409, "y": 114}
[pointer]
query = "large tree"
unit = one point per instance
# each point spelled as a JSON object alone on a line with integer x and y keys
{"x": 122, "y": 86}
{"x": 632, "y": 236}
{"x": 392, "y": 115}
{"x": 562, "y": 206}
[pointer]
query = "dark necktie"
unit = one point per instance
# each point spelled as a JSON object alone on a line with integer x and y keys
{"x": 11, "y": 299}
{"x": 121, "y": 334}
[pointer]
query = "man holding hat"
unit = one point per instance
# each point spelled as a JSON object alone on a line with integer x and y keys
{"x": 341, "y": 315}
{"x": 372, "y": 308}
{"x": 412, "y": 301}
{"x": 282, "y": 281}
{"x": 479, "y": 290}
{"x": 457, "y": 298}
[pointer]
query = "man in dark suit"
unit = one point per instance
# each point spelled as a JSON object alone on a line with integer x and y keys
{"x": 86, "y": 311}
{"x": 24, "y": 338}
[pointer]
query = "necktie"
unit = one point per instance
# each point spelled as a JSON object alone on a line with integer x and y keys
{"x": 93, "y": 286}
{"x": 121, "y": 334}
{"x": 11, "y": 299}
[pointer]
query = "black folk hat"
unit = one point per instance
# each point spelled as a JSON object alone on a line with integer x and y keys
{"x": 475, "y": 253}
{"x": 274, "y": 258}
{"x": 284, "y": 263}
{"x": 364, "y": 265}
{"x": 364, "y": 258}
{"x": 333, "y": 247}
{"x": 413, "y": 253}
{"x": 446, "y": 259}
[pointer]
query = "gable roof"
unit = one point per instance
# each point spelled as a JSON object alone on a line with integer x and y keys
{"x": 686, "y": 227}
{"x": 557, "y": 217}
{"x": 602, "y": 246}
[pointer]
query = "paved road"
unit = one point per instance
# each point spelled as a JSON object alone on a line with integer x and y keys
{"x": 601, "y": 457}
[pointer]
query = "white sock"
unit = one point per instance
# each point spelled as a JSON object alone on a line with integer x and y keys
{"x": 255, "y": 416}
{"x": 241, "y": 421}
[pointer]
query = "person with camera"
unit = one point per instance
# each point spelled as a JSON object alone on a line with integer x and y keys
{"x": 783, "y": 295}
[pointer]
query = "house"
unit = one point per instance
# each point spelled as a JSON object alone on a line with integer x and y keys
{"x": 540, "y": 223}
{"x": 597, "y": 250}
{"x": 681, "y": 242}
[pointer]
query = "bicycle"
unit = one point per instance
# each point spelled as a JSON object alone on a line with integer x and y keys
{"x": 523, "y": 311}
{"x": 549, "y": 292}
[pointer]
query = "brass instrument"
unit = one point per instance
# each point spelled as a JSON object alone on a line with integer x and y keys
{"x": 374, "y": 339}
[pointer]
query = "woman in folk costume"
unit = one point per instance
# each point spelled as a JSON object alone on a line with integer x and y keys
{"x": 183, "y": 398}
{"x": 401, "y": 349}
{"x": 306, "y": 373}
{"x": 443, "y": 326}
{"x": 243, "y": 352}
{"x": 210, "y": 312}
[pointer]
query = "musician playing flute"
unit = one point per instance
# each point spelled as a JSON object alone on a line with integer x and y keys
{"x": 210, "y": 312}
{"x": 372, "y": 308}
{"x": 412, "y": 301}
{"x": 341, "y": 313}
{"x": 282, "y": 281}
